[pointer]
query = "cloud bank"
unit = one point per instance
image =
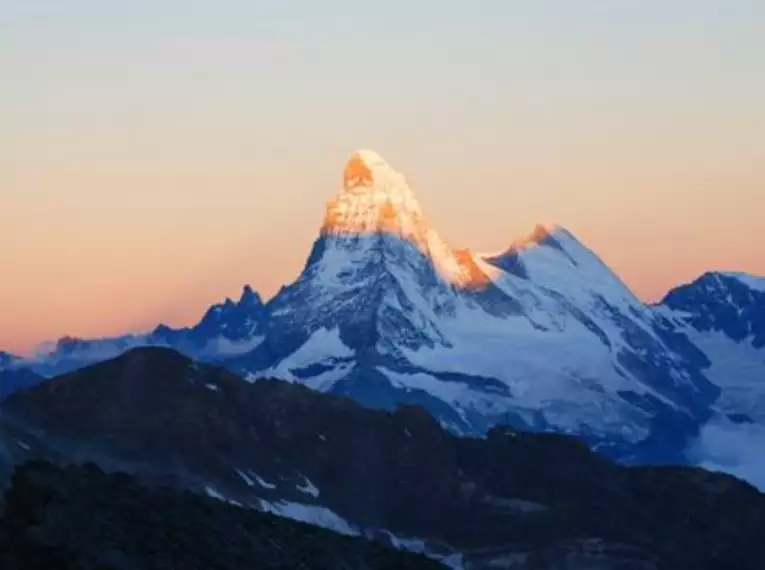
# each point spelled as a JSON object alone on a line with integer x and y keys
{"x": 738, "y": 449}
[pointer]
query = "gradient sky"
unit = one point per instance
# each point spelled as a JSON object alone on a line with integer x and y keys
{"x": 155, "y": 156}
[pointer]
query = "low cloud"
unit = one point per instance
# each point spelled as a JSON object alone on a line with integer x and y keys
{"x": 738, "y": 449}
{"x": 222, "y": 346}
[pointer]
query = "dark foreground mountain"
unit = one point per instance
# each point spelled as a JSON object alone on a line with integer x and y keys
{"x": 80, "y": 518}
{"x": 532, "y": 500}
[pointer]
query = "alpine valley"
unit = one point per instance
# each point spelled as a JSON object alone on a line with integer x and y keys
{"x": 542, "y": 337}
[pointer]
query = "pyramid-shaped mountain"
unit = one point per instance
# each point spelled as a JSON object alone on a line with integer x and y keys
{"x": 541, "y": 336}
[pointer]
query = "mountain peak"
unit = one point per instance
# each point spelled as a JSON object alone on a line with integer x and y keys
{"x": 249, "y": 297}
{"x": 541, "y": 233}
{"x": 361, "y": 169}
{"x": 374, "y": 199}
{"x": 370, "y": 157}
{"x": 68, "y": 343}
{"x": 721, "y": 281}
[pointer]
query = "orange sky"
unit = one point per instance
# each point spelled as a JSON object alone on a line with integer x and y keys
{"x": 153, "y": 160}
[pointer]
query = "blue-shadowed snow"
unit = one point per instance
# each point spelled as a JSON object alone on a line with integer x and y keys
{"x": 311, "y": 514}
{"x": 753, "y": 281}
{"x": 308, "y": 488}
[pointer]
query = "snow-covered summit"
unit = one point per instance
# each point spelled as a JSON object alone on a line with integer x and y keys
{"x": 552, "y": 257}
{"x": 363, "y": 167}
{"x": 537, "y": 236}
{"x": 376, "y": 200}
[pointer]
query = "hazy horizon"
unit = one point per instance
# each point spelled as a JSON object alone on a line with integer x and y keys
{"x": 157, "y": 158}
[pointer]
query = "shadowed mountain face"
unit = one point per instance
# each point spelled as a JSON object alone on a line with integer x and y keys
{"x": 226, "y": 329}
{"x": 292, "y": 451}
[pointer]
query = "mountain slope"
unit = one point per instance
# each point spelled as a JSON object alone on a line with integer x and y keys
{"x": 17, "y": 378}
{"x": 7, "y": 359}
{"x": 543, "y": 336}
{"x": 283, "y": 448}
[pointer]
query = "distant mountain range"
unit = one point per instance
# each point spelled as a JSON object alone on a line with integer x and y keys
{"x": 543, "y": 336}
{"x": 507, "y": 500}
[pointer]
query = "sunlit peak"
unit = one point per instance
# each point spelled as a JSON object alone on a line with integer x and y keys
{"x": 371, "y": 158}
{"x": 377, "y": 200}
{"x": 362, "y": 169}
{"x": 539, "y": 234}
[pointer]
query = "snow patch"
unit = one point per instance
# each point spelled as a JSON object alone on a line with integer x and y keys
{"x": 245, "y": 478}
{"x": 211, "y": 492}
{"x": 308, "y": 488}
{"x": 452, "y": 560}
{"x": 225, "y": 347}
{"x": 311, "y": 514}
{"x": 324, "y": 346}
{"x": 321, "y": 345}
{"x": 252, "y": 479}
{"x": 262, "y": 482}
